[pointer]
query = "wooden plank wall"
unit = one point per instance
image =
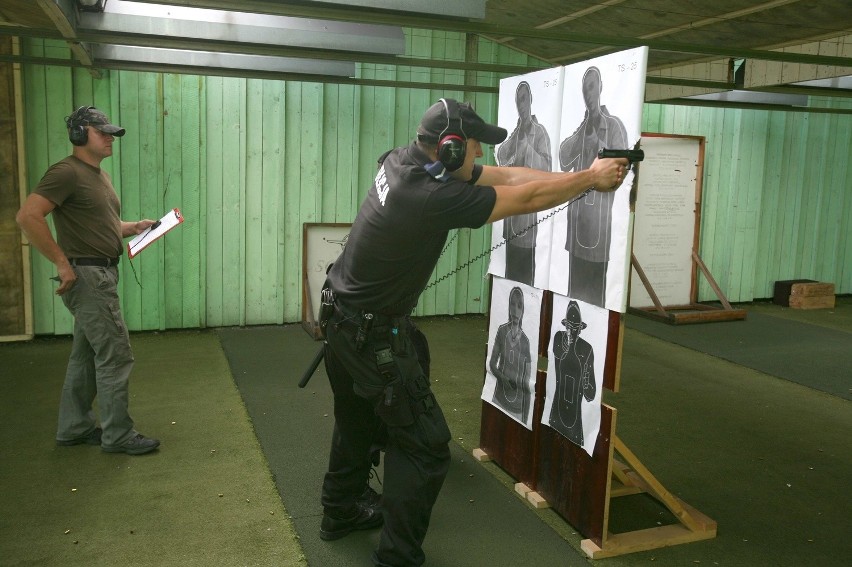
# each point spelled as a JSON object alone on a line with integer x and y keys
{"x": 777, "y": 200}
{"x": 248, "y": 162}
{"x": 13, "y": 321}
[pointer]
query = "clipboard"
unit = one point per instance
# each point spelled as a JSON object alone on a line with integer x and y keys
{"x": 148, "y": 236}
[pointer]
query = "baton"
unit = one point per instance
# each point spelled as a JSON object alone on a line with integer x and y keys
{"x": 313, "y": 367}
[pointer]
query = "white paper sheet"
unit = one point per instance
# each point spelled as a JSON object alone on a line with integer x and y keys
{"x": 149, "y": 235}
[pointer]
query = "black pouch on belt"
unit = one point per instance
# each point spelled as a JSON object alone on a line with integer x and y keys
{"x": 394, "y": 405}
{"x": 422, "y": 398}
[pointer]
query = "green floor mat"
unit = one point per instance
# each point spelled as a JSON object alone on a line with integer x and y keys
{"x": 808, "y": 354}
{"x": 476, "y": 520}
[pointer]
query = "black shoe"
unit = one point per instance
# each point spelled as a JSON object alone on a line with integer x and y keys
{"x": 368, "y": 517}
{"x": 93, "y": 438}
{"x": 136, "y": 445}
{"x": 369, "y": 498}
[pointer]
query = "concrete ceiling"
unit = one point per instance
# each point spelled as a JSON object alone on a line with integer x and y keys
{"x": 739, "y": 48}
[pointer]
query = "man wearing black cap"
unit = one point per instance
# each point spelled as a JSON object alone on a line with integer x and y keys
{"x": 376, "y": 359}
{"x": 88, "y": 244}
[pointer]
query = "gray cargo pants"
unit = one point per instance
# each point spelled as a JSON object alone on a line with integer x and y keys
{"x": 100, "y": 361}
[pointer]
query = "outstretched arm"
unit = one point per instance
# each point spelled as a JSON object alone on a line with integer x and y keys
{"x": 524, "y": 190}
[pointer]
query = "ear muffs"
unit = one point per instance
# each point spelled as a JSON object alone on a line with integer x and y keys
{"x": 78, "y": 134}
{"x": 452, "y": 143}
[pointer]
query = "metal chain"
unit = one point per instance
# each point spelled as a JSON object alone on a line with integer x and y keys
{"x": 492, "y": 249}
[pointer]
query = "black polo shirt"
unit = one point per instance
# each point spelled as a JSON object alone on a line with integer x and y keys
{"x": 400, "y": 230}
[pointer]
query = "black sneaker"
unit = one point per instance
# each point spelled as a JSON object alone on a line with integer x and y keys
{"x": 136, "y": 445}
{"x": 93, "y": 438}
{"x": 368, "y": 517}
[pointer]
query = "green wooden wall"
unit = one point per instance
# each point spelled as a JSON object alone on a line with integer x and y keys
{"x": 249, "y": 161}
{"x": 777, "y": 200}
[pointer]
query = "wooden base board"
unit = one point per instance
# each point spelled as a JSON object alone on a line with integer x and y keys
{"x": 481, "y": 455}
{"x": 643, "y": 540}
{"x": 10, "y": 338}
{"x": 632, "y": 477}
{"x": 686, "y": 314}
{"x": 537, "y": 500}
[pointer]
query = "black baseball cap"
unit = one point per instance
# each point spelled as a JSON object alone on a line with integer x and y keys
{"x": 434, "y": 123}
{"x": 97, "y": 119}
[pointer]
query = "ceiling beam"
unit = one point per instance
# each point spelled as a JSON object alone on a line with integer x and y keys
{"x": 62, "y": 16}
{"x": 221, "y": 46}
{"x": 692, "y": 25}
{"x": 747, "y": 106}
{"x": 237, "y": 61}
{"x": 496, "y": 31}
{"x": 447, "y": 87}
{"x": 238, "y": 27}
{"x": 805, "y": 90}
{"x": 159, "y": 67}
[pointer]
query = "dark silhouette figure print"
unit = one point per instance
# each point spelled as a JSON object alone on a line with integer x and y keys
{"x": 528, "y": 145}
{"x": 590, "y": 216}
{"x": 511, "y": 361}
{"x": 575, "y": 376}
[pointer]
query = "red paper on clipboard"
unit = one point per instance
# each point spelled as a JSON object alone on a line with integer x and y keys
{"x": 148, "y": 236}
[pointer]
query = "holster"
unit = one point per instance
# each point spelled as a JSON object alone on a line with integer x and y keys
{"x": 326, "y": 308}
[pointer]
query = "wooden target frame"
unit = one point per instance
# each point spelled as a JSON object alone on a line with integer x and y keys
{"x": 553, "y": 472}
{"x": 670, "y": 200}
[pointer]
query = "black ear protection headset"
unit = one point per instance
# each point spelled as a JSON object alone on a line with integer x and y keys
{"x": 452, "y": 143}
{"x": 78, "y": 134}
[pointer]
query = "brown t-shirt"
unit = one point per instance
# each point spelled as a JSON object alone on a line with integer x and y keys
{"x": 87, "y": 214}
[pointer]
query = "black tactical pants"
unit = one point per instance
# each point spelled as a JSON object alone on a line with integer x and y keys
{"x": 374, "y": 396}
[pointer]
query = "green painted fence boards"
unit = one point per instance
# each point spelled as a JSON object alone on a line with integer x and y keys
{"x": 250, "y": 161}
{"x": 776, "y": 202}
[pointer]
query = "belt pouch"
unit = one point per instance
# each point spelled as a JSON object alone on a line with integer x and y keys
{"x": 393, "y": 406}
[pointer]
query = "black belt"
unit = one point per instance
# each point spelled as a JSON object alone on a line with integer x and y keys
{"x": 354, "y": 314}
{"x": 104, "y": 262}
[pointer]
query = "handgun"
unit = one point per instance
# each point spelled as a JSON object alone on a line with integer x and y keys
{"x": 633, "y": 156}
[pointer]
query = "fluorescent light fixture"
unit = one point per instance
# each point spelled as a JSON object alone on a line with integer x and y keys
{"x": 242, "y": 27}
{"x": 181, "y": 57}
{"x": 844, "y": 83}
{"x": 753, "y": 97}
